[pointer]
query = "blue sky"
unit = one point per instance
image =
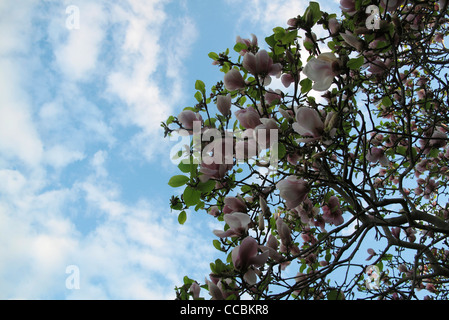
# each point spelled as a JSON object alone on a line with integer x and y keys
{"x": 83, "y": 163}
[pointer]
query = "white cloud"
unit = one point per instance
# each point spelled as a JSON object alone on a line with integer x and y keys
{"x": 77, "y": 55}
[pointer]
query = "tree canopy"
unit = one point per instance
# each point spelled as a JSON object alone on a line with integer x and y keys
{"x": 339, "y": 173}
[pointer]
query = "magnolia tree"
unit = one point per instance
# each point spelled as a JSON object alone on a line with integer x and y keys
{"x": 333, "y": 185}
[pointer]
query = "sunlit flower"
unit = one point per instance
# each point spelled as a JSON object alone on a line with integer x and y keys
{"x": 238, "y": 225}
{"x": 322, "y": 70}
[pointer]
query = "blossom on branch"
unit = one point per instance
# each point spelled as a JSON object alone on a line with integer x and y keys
{"x": 293, "y": 190}
{"x": 238, "y": 225}
{"x": 322, "y": 70}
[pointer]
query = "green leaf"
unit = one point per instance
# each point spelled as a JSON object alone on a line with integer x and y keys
{"x": 306, "y": 85}
{"x": 356, "y": 63}
{"x": 206, "y": 187}
{"x": 200, "y": 86}
{"x": 312, "y": 14}
{"x": 213, "y": 56}
{"x": 198, "y": 96}
{"x": 178, "y": 181}
{"x": 182, "y": 217}
{"x": 217, "y": 244}
{"x": 335, "y": 295}
{"x": 191, "y": 196}
{"x": 239, "y": 47}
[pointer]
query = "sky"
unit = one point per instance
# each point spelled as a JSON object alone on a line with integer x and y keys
{"x": 84, "y": 166}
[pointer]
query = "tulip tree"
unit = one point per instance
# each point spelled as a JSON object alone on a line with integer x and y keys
{"x": 358, "y": 191}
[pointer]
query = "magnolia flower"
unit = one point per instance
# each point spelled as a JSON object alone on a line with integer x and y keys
{"x": 249, "y": 118}
{"x": 233, "y": 80}
{"x": 187, "y": 118}
{"x": 245, "y": 256}
{"x": 284, "y": 232}
{"x": 308, "y": 123}
{"x": 334, "y": 25}
{"x": 352, "y": 40}
{"x": 322, "y": 70}
{"x": 261, "y": 63}
{"x": 224, "y": 105}
{"x": 195, "y": 290}
{"x": 332, "y": 212}
{"x": 213, "y": 171}
{"x": 234, "y": 204}
{"x": 377, "y": 154}
{"x": 263, "y": 133}
{"x": 348, "y": 6}
{"x": 293, "y": 190}
{"x": 272, "y": 249}
{"x": 249, "y": 43}
{"x": 238, "y": 225}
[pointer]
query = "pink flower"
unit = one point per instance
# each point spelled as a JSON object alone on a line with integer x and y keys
{"x": 260, "y": 63}
{"x": 249, "y": 43}
{"x": 308, "y": 123}
{"x": 224, "y": 105}
{"x": 293, "y": 191}
{"x": 245, "y": 256}
{"x": 195, "y": 290}
{"x": 352, "y": 40}
{"x": 348, "y": 6}
{"x": 234, "y": 204}
{"x": 332, "y": 212}
{"x": 248, "y": 118}
{"x": 334, "y": 25}
{"x": 238, "y": 225}
{"x": 266, "y": 133}
{"x": 322, "y": 70}
{"x": 284, "y": 232}
{"x": 213, "y": 171}
{"x": 187, "y": 117}
{"x": 377, "y": 154}
{"x": 287, "y": 79}
{"x": 233, "y": 80}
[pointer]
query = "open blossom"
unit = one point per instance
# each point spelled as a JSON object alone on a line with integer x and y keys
{"x": 266, "y": 133}
{"x": 238, "y": 225}
{"x": 293, "y": 191}
{"x": 261, "y": 63}
{"x": 249, "y": 118}
{"x": 322, "y": 70}
{"x": 245, "y": 256}
{"x": 249, "y": 43}
{"x": 308, "y": 123}
{"x": 332, "y": 212}
{"x": 187, "y": 118}
{"x": 233, "y": 80}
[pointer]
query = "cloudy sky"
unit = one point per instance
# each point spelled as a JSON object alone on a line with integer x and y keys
{"x": 84, "y": 166}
